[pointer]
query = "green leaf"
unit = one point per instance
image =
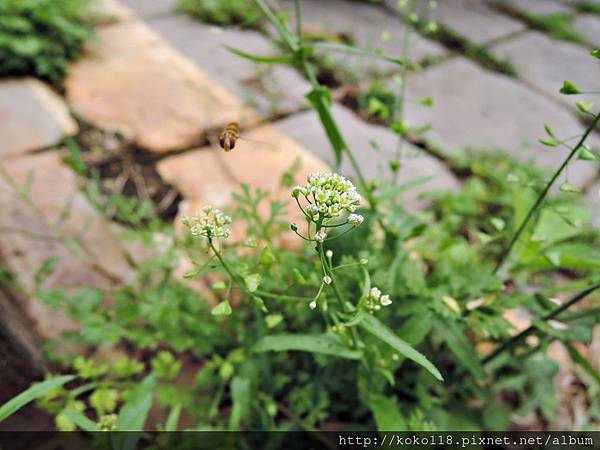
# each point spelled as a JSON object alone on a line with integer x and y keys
{"x": 583, "y": 362}
{"x": 427, "y": 101}
{"x": 549, "y": 142}
{"x": 173, "y": 419}
{"x": 584, "y": 107}
{"x": 569, "y": 88}
{"x": 596, "y": 53}
{"x": 327, "y": 344}
{"x": 133, "y": 414}
{"x": 344, "y": 48}
{"x": 549, "y": 130}
{"x": 379, "y": 330}
{"x": 260, "y": 59}
{"x": 34, "y": 392}
{"x": 386, "y": 413}
{"x": 252, "y": 282}
{"x": 240, "y": 394}
{"x": 222, "y": 309}
{"x": 320, "y": 99}
{"x": 586, "y": 154}
{"x": 273, "y": 320}
{"x": 568, "y": 187}
{"x": 498, "y": 223}
{"x": 458, "y": 344}
{"x": 80, "y": 420}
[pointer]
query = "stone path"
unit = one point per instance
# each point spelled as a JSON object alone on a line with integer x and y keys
{"x": 166, "y": 83}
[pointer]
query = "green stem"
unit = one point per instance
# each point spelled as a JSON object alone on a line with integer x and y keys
{"x": 282, "y": 296}
{"x": 543, "y": 195}
{"x": 403, "y": 77}
{"x": 531, "y": 329}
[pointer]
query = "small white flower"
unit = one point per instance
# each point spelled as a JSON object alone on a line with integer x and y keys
{"x": 375, "y": 293}
{"x": 327, "y": 279}
{"x": 329, "y": 254}
{"x": 320, "y": 236}
{"x": 385, "y": 300}
{"x": 355, "y": 219}
{"x": 312, "y": 305}
{"x": 329, "y": 194}
{"x": 211, "y": 224}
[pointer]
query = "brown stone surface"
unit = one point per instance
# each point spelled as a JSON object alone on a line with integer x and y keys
{"x": 31, "y": 117}
{"x": 130, "y": 80}
{"x": 54, "y": 220}
{"x": 209, "y": 176}
{"x": 259, "y": 159}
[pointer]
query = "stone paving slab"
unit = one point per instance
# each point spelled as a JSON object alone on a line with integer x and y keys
{"x": 476, "y": 108}
{"x": 475, "y": 20}
{"x": 111, "y": 11}
{"x": 593, "y": 197}
{"x": 537, "y": 7}
{"x": 133, "y": 82}
{"x": 150, "y": 8}
{"x": 32, "y": 117}
{"x": 367, "y": 25}
{"x": 34, "y": 230}
{"x": 259, "y": 161}
{"x": 271, "y": 90}
{"x": 306, "y": 129}
{"x": 589, "y": 25}
{"x": 546, "y": 63}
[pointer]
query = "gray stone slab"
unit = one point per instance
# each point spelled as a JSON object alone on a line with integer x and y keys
{"x": 32, "y": 117}
{"x": 546, "y": 63}
{"x": 150, "y": 8}
{"x": 308, "y": 131}
{"x": 475, "y": 20}
{"x": 272, "y": 90}
{"x": 537, "y": 7}
{"x": 371, "y": 28}
{"x": 488, "y": 111}
{"x": 589, "y": 25}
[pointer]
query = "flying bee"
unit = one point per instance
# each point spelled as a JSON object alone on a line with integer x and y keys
{"x": 229, "y": 136}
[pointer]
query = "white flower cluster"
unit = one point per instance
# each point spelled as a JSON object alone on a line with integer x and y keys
{"x": 329, "y": 194}
{"x": 212, "y": 223}
{"x": 375, "y": 300}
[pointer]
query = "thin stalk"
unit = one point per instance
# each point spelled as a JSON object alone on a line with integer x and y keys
{"x": 543, "y": 194}
{"x": 403, "y": 77}
{"x": 531, "y": 329}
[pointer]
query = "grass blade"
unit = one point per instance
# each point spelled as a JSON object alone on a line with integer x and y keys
{"x": 316, "y": 343}
{"x": 31, "y": 394}
{"x": 382, "y": 332}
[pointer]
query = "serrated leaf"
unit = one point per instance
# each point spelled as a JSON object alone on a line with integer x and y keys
{"x": 34, "y": 392}
{"x": 382, "y": 332}
{"x": 222, "y": 309}
{"x": 569, "y": 88}
{"x": 327, "y": 344}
